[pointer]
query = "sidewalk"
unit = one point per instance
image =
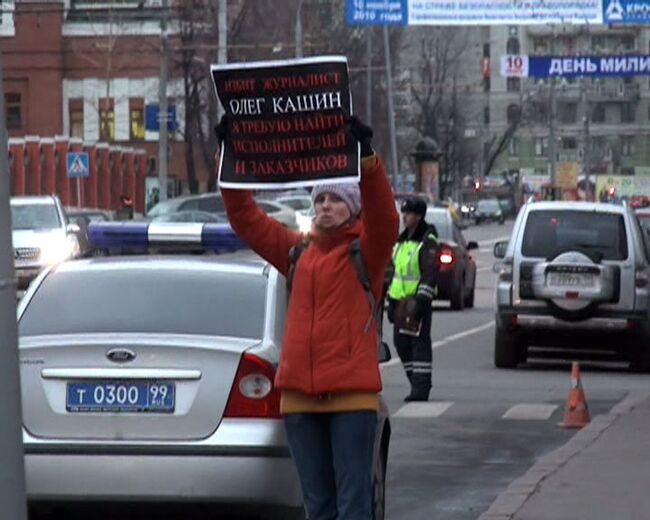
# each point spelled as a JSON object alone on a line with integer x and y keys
{"x": 602, "y": 473}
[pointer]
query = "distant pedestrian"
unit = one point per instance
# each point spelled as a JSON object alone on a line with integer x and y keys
{"x": 410, "y": 294}
{"x": 328, "y": 372}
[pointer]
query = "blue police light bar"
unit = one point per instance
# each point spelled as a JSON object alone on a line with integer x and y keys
{"x": 139, "y": 235}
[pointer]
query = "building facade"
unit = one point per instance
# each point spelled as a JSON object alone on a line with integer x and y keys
{"x": 601, "y": 124}
{"x": 89, "y": 71}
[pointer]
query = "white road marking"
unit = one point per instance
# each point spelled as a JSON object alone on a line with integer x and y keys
{"x": 530, "y": 412}
{"x": 444, "y": 341}
{"x": 422, "y": 410}
{"x": 483, "y": 269}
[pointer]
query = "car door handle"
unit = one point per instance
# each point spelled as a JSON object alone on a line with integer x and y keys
{"x": 121, "y": 373}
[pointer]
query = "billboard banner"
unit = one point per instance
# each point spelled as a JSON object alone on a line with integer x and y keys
{"x": 473, "y": 12}
{"x": 521, "y": 66}
{"x": 635, "y": 12}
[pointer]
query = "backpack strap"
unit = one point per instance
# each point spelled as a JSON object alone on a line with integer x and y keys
{"x": 364, "y": 279}
{"x": 294, "y": 255}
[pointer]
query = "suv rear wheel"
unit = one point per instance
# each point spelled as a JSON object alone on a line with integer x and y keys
{"x": 509, "y": 349}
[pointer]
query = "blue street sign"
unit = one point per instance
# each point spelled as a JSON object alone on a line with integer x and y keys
{"x": 372, "y": 12}
{"x": 626, "y": 11}
{"x": 77, "y": 164}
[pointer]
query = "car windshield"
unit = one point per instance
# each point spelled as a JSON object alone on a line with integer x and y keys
{"x": 34, "y": 216}
{"x": 549, "y": 233}
{"x": 489, "y": 205}
{"x": 147, "y": 300}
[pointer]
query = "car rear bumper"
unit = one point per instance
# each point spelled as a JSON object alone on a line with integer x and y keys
{"x": 251, "y": 469}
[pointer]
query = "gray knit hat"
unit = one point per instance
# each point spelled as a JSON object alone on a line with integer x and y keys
{"x": 349, "y": 192}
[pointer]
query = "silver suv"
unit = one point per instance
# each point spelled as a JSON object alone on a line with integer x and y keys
{"x": 574, "y": 275}
{"x": 41, "y": 235}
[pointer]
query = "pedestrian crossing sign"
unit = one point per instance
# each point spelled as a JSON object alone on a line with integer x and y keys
{"x": 77, "y": 164}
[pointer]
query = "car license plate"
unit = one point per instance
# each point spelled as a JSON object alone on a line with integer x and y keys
{"x": 121, "y": 396}
{"x": 571, "y": 280}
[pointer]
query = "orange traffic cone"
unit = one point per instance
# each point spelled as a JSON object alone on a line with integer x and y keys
{"x": 577, "y": 412}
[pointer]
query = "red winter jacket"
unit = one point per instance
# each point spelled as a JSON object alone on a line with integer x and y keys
{"x": 325, "y": 348}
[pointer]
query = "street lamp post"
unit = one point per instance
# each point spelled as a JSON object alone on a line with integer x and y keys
{"x": 12, "y": 469}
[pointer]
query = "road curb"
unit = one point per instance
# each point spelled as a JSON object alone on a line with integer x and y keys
{"x": 508, "y": 503}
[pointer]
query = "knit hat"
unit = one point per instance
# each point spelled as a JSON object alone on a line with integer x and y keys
{"x": 349, "y": 192}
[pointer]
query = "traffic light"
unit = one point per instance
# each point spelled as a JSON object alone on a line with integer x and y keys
{"x": 611, "y": 191}
{"x": 477, "y": 185}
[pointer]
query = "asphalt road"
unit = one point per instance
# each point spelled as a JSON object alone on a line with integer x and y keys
{"x": 483, "y": 428}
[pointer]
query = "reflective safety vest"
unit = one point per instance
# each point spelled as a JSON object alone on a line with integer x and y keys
{"x": 406, "y": 259}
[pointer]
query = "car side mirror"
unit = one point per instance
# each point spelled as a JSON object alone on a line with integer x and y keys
{"x": 73, "y": 229}
{"x": 384, "y": 352}
{"x": 472, "y": 245}
{"x": 500, "y": 249}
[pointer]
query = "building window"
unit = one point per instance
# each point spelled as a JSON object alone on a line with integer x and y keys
{"x": 136, "y": 119}
{"x": 598, "y": 43}
{"x": 540, "y": 46}
{"x": 513, "y": 84}
{"x": 598, "y": 114}
{"x": 76, "y": 111}
{"x": 513, "y": 147}
{"x": 541, "y": 146}
{"x": 568, "y": 113}
{"x": 106, "y": 119}
{"x": 14, "y": 111}
{"x": 627, "y": 113}
{"x": 628, "y": 43}
{"x": 569, "y": 143}
{"x": 627, "y": 145}
{"x": 486, "y": 115}
{"x": 513, "y": 47}
{"x": 513, "y": 114}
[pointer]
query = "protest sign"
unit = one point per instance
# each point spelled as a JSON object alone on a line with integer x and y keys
{"x": 287, "y": 123}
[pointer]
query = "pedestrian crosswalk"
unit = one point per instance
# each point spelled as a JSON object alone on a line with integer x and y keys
{"x": 436, "y": 409}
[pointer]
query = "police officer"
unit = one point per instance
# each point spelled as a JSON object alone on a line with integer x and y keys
{"x": 410, "y": 293}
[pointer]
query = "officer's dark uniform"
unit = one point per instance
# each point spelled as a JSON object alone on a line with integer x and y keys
{"x": 414, "y": 284}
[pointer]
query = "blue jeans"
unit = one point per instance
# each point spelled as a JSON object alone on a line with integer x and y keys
{"x": 333, "y": 453}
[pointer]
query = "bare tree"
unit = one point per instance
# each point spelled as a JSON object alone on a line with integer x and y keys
{"x": 438, "y": 99}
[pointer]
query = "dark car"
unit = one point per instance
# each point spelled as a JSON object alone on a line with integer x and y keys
{"x": 489, "y": 210}
{"x": 457, "y": 280}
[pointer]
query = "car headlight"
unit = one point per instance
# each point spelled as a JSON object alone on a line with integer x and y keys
{"x": 59, "y": 250}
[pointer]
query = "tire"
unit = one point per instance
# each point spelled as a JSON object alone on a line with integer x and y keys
{"x": 469, "y": 299}
{"x": 509, "y": 350}
{"x": 457, "y": 300}
{"x": 379, "y": 487}
{"x": 638, "y": 351}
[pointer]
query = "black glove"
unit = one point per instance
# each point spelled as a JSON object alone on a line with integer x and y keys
{"x": 362, "y": 133}
{"x": 222, "y": 130}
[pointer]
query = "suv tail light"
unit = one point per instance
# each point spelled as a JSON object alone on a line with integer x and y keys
{"x": 446, "y": 257}
{"x": 252, "y": 393}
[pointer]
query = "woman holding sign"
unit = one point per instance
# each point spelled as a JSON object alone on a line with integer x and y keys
{"x": 328, "y": 372}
